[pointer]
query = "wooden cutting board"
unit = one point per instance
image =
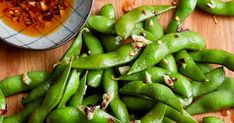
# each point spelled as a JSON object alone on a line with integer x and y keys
{"x": 16, "y": 61}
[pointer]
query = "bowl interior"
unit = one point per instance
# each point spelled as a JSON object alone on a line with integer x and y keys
{"x": 57, "y": 36}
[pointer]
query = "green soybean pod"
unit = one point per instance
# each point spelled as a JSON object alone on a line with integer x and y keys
{"x": 156, "y": 91}
{"x": 51, "y": 99}
{"x": 179, "y": 117}
{"x": 205, "y": 68}
{"x": 146, "y": 104}
{"x": 168, "y": 44}
{"x": 171, "y": 113}
{"x": 77, "y": 98}
{"x": 167, "y": 120}
{"x": 214, "y": 56}
{"x": 211, "y": 119}
{"x": 188, "y": 67}
{"x": 16, "y": 84}
{"x": 141, "y": 32}
{"x": 111, "y": 88}
{"x": 185, "y": 101}
{"x": 142, "y": 104}
{"x": 102, "y": 24}
{"x": 107, "y": 60}
{"x": 213, "y": 101}
{"x": 126, "y": 23}
{"x": 71, "y": 87}
{"x": 72, "y": 52}
{"x": 217, "y": 7}
{"x": 153, "y": 26}
{"x": 183, "y": 10}
{"x": 1, "y": 118}
{"x": 3, "y": 105}
{"x": 156, "y": 115}
{"x": 168, "y": 63}
{"x": 216, "y": 78}
{"x": 108, "y": 10}
{"x": 110, "y": 42}
{"x": 155, "y": 74}
{"x": 40, "y": 91}
{"x": 94, "y": 46}
{"x": 92, "y": 43}
{"x": 23, "y": 116}
{"x": 175, "y": 81}
{"x": 92, "y": 99}
{"x": 94, "y": 78}
{"x": 228, "y": 84}
{"x": 75, "y": 115}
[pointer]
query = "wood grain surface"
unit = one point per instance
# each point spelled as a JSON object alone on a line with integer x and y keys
{"x": 15, "y": 61}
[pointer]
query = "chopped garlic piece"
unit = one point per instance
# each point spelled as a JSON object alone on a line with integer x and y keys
{"x": 107, "y": 98}
{"x": 124, "y": 69}
{"x": 148, "y": 77}
{"x": 26, "y": 79}
{"x": 141, "y": 39}
{"x": 168, "y": 80}
{"x": 177, "y": 18}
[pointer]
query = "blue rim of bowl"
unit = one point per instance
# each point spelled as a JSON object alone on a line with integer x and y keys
{"x": 58, "y": 45}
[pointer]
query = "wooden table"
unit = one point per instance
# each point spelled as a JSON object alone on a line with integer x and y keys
{"x": 16, "y": 61}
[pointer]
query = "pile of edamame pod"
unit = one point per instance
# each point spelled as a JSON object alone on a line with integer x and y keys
{"x": 130, "y": 70}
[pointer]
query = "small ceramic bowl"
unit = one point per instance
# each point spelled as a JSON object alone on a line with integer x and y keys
{"x": 65, "y": 32}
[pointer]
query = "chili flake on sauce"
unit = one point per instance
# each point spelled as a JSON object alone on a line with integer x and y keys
{"x": 37, "y": 17}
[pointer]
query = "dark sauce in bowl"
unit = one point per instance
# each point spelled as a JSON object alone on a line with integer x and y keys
{"x": 35, "y": 18}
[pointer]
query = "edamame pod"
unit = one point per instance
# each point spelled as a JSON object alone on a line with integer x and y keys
{"x": 102, "y": 61}
{"x": 216, "y": 78}
{"x": 168, "y": 44}
{"x": 154, "y": 27}
{"x": 214, "y": 56}
{"x": 205, "y": 68}
{"x": 92, "y": 43}
{"x": 142, "y": 104}
{"x": 110, "y": 42}
{"x": 213, "y": 101}
{"x": 177, "y": 82}
{"x": 94, "y": 46}
{"x": 183, "y": 10}
{"x": 217, "y": 7}
{"x": 77, "y": 98}
{"x": 211, "y": 119}
{"x": 92, "y": 100}
{"x": 17, "y": 84}
{"x": 74, "y": 115}
{"x": 179, "y": 117}
{"x": 167, "y": 120}
{"x": 71, "y": 87}
{"x": 228, "y": 84}
{"x": 169, "y": 63}
{"x": 52, "y": 98}
{"x": 23, "y": 116}
{"x": 188, "y": 67}
{"x": 117, "y": 106}
{"x": 108, "y": 10}
{"x": 72, "y": 52}
{"x": 3, "y": 105}
{"x": 156, "y": 114}
{"x": 102, "y": 24}
{"x": 126, "y": 23}
{"x": 156, "y": 91}
{"x": 171, "y": 113}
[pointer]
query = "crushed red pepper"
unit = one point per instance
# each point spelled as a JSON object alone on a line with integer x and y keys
{"x": 34, "y": 12}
